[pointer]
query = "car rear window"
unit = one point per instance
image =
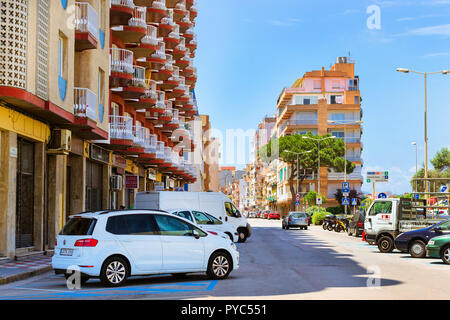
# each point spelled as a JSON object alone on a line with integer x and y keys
{"x": 132, "y": 224}
{"x": 298, "y": 215}
{"x": 79, "y": 227}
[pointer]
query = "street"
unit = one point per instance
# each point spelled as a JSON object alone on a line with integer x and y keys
{"x": 275, "y": 264}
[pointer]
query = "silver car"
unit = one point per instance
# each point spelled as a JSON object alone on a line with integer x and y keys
{"x": 295, "y": 219}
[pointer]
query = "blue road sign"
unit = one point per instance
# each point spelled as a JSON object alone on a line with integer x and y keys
{"x": 443, "y": 188}
{"x": 297, "y": 203}
{"x": 382, "y": 195}
{"x": 416, "y": 196}
{"x": 354, "y": 201}
{"x": 345, "y": 187}
{"x": 345, "y": 201}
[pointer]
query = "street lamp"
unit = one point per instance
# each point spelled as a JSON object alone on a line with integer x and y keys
{"x": 415, "y": 144}
{"x": 298, "y": 153}
{"x": 425, "y": 74}
{"x": 345, "y": 124}
{"x": 318, "y": 153}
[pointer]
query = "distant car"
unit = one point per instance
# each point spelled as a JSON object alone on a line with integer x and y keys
{"x": 295, "y": 220}
{"x": 273, "y": 215}
{"x": 356, "y": 225}
{"x": 439, "y": 247}
{"x": 415, "y": 241}
{"x": 207, "y": 222}
{"x": 266, "y": 214}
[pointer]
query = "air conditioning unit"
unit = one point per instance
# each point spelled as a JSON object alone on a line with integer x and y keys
{"x": 116, "y": 183}
{"x": 61, "y": 141}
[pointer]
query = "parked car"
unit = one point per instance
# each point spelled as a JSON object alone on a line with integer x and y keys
{"x": 295, "y": 220}
{"x": 415, "y": 241}
{"x": 356, "y": 224}
{"x": 113, "y": 245}
{"x": 266, "y": 214}
{"x": 207, "y": 222}
{"x": 439, "y": 247}
{"x": 216, "y": 204}
{"x": 273, "y": 215}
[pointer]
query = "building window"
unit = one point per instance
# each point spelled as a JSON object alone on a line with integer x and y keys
{"x": 317, "y": 84}
{"x": 338, "y": 116}
{"x": 357, "y": 100}
{"x": 336, "y": 84}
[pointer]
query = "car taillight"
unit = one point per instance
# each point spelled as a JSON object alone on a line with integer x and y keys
{"x": 56, "y": 242}
{"x": 86, "y": 243}
{"x": 212, "y": 232}
{"x": 290, "y": 219}
{"x": 360, "y": 224}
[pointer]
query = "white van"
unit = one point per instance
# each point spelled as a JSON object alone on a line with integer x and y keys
{"x": 216, "y": 204}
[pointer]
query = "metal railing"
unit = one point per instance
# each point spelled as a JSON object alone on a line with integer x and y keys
{"x": 175, "y": 34}
{"x": 169, "y": 19}
{"x": 139, "y": 77}
{"x": 151, "y": 143}
{"x": 181, "y": 5}
{"x": 159, "y": 4}
{"x": 150, "y": 93}
{"x": 302, "y": 122}
{"x": 160, "y": 150}
{"x": 86, "y": 19}
{"x": 123, "y": 3}
{"x": 85, "y": 104}
{"x": 168, "y": 112}
{"x": 182, "y": 45}
{"x": 151, "y": 37}
{"x": 160, "y": 53}
{"x": 121, "y": 127}
{"x": 139, "y": 136}
{"x": 139, "y": 17}
{"x": 121, "y": 60}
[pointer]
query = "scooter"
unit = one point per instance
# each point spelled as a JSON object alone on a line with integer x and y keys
{"x": 341, "y": 225}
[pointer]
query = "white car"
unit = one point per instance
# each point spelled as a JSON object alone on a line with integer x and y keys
{"x": 113, "y": 245}
{"x": 207, "y": 222}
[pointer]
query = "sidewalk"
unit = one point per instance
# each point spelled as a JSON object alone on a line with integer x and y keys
{"x": 11, "y": 270}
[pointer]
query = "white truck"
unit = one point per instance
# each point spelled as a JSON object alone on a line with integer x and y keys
{"x": 216, "y": 204}
{"x": 387, "y": 218}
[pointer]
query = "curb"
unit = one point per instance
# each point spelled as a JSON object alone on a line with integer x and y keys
{"x": 24, "y": 275}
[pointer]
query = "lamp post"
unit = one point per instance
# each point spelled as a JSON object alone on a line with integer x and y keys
{"x": 415, "y": 144}
{"x": 318, "y": 153}
{"x": 425, "y": 74}
{"x": 298, "y": 153}
{"x": 345, "y": 124}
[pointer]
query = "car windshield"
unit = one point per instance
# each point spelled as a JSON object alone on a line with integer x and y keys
{"x": 297, "y": 215}
{"x": 78, "y": 227}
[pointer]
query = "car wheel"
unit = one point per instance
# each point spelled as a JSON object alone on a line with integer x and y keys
{"x": 219, "y": 266}
{"x": 445, "y": 254}
{"x": 385, "y": 244}
{"x": 114, "y": 272}
{"x": 417, "y": 249}
{"x": 306, "y": 227}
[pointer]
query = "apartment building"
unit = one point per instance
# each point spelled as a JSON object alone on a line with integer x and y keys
{"x": 96, "y": 103}
{"x": 211, "y": 147}
{"x": 322, "y": 102}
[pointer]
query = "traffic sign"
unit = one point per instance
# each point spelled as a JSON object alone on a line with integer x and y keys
{"x": 319, "y": 200}
{"x": 378, "y": 176}
{"x": 345, "y": 201}
{"x": 345, "y": 187}
{"x": 382, "y": 195}
{"x": 297, "y": 203}
{"x": 444, "y": 189}
{"x": 297, "y": 196}
{"x": 354, "y": 201}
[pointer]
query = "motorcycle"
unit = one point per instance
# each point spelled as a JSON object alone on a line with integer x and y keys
{"x": 341, "y": 225}
{"x": 328, "y": 222}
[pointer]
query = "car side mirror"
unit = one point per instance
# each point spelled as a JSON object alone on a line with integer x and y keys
{"x": 195, "y": 234}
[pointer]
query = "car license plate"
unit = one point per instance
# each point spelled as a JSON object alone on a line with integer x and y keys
{"x": 66, "y": 252}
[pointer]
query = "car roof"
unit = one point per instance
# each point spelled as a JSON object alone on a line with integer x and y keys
{"x": 92, "y": 214}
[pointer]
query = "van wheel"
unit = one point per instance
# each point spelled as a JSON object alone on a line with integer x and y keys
{"x": 385, "y": 244}
{"x": 219, "y": 266}
{"x": 417, "y": 249}
{"x": 114, "y": 272}
{"x": 242, "y": 236}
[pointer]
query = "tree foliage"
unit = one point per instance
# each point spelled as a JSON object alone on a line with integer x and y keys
{"x": 441, "y": 164}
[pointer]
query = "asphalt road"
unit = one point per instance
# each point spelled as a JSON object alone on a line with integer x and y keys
{"x": 275, "y": 264}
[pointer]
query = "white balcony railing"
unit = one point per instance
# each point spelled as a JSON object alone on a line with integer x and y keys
{"x": 175, "y": 34}
{"x": 151, "y": 36}
{"x": 139, "y": 136}
{"x": 182, "y": 45}
{"x": 168, "y": 112}
{"x": 160, "y": 150}
{"x": 169, "y": 63}
{"x": 139, "y": 17}
{"x": 121, "y": 128}
{"x": 123, "y": 3}
{"x": 160, "y": 102}
{"x": 159, "y": 4}
{"x": 168, "y": 154}
{"x": 169, "y": 19}
{"x": 86, "y": 19}
{"x": 152, "y": 143}
{"x": 160, "y": 53}
{"x": 181, "y": 5}
{"x": 150, "y": 93}
{"x": 85, "y": 104}
{"x": 121, "y": 60}
{"x": 139, "y": 77}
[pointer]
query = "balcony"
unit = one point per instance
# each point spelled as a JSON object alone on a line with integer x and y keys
{"x": 183, "y": 62}
{"x": 148, "y": 99}
{"x": 157, "y": 11}
{"x": 179, "y": 89}
{"x": 121, "y": 67}
{"x": 192, "y": 45}
{"x": 167, "y": 116}
{"x": 173, "y": 124}
{"x": 340, "y": 176}
{"x": 157, "y": 60}
{"x": 166, "y": 25}
{"x": 185, "y": 23}
{"x": 193, "y": 9}
{"x": 191, "y": 79}
{"x": 180, "y": 50}
{"x": 165, "y": 72}
{"x": 134, "y": 30}
{"x": 150, "y": 148}
{"x": 180, "y": 11}
{"x": 189, "y": 34}
{"x": 189, "y": 69}
{"x": 138, "y": 147}
{"x": 173, "y": 38}
{"x": 148, "y": 44}
{"x": 85, "y": 104}
{"x": 86, "y": 27}
{"x": 136, "y": 88}
{"x": 172, "y": 82}
{"x": 121, "y": 12}
{"x": 120, "y": 132}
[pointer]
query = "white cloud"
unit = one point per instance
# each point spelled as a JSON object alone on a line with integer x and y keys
{"x": 443, "y": 30}
{"x": 437, "y": 54}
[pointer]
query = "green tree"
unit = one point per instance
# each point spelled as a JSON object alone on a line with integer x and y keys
{"x": 331, "y": 156}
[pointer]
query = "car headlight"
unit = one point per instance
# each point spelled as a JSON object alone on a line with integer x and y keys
{"x": 234, "y": 246}
{"x": 431, "y": 242}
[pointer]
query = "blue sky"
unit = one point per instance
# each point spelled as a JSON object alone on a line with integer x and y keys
{"x": 250, "y": 50}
